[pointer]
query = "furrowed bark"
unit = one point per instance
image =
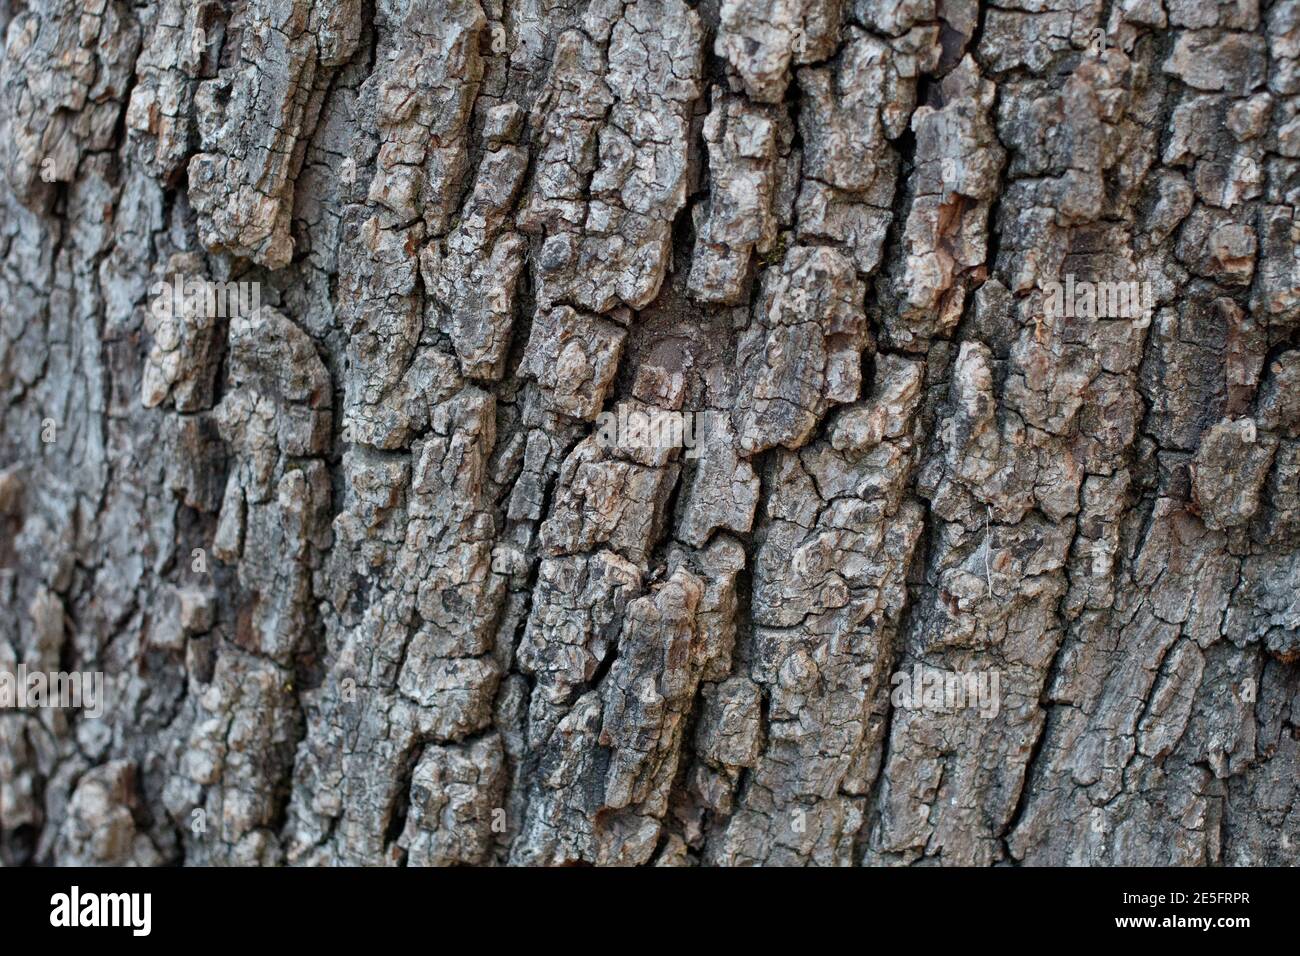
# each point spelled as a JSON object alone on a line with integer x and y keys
{"x": 335, "y": 342}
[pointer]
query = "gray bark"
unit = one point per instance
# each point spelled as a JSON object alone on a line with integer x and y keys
{"x": 370, "y": 584}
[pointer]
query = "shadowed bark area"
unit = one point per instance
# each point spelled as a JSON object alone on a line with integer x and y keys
{"x": 329, "y": 335}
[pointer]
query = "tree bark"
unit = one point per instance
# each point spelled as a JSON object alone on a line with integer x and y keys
{"x": 329, "y": 332}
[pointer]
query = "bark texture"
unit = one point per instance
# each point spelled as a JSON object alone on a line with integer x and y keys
{"x": 369, "y": 587}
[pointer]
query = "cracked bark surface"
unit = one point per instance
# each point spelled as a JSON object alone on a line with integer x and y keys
{"x": 367, "y": 584}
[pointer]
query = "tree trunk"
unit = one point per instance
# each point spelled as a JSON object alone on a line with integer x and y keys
{"x": 774, "y": 432}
